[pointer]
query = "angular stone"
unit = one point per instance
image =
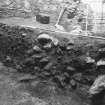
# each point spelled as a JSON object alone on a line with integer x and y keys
{"x": 98, "y": 85}
{"x": 36, "y": 68}
{"x": 77, "y": 76}
{"x": 44, "y": 38}
{"x": 48, "y": 66}
{"x": 55, "y": 41}
{"x": 44, "y": 61}
{"x": 30, "y": 52}
{"x": 47, "y": 46}
{"x": 59, "y": 27}
{"x": 28, "y": 61}
{"x": 70, "y": 44}
{"x": 101, "y": 63}
{"x": 69, "y": 47}
{"x": 36, "y": 49}
{"x": 73, "y": 84}
{"x": 24, "y": 34}
{"x": 26, "y": 77}
{"x": 8, "y": 58}
{"x": 90, "y": 60}
{"x": 102, "y": 50}
{"x": 69, "y": 68}
{"x": 47, "y": 39}
{"x": 76, "y": 30}
{"x": 37, "y": 56}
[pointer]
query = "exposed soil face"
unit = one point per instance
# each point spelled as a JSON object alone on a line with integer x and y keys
{"x": 45, "y": 68}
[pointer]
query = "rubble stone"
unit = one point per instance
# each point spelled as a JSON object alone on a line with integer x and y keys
{"x": 73, "y": 84}
{"x": 37, "y": 49}
{"x": 69, "y": 68}
{"x": 48, "y": 66}
{"x": 89, "y": 60}
{"x": 98, "y": 85}
{"x": 101, "y": 62}
{"x": 46, "y": 39}
{"x": 44, "y": 61}
{"x": 77, "y": 76}
{"x": 37, "y": 56}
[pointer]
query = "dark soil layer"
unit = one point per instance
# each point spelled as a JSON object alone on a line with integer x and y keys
{"x": 65, "y": 64}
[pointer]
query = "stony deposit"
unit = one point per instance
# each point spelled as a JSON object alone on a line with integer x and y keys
{"x": 68, "y": 64}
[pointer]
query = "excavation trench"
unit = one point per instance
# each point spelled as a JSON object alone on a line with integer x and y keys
{"x": 44, "y": 63}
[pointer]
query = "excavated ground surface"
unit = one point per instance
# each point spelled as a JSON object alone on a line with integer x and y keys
{"x": 13, "y": 92}
{"x": 54, "y": 75}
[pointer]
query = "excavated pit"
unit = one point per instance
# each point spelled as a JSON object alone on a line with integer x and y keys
{"x": 60, "y": 63}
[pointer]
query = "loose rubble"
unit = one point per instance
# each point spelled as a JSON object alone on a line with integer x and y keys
{"x": 67, "y": 64}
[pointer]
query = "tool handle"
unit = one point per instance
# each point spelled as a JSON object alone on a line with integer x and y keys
{"x": 60, "y": 15}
